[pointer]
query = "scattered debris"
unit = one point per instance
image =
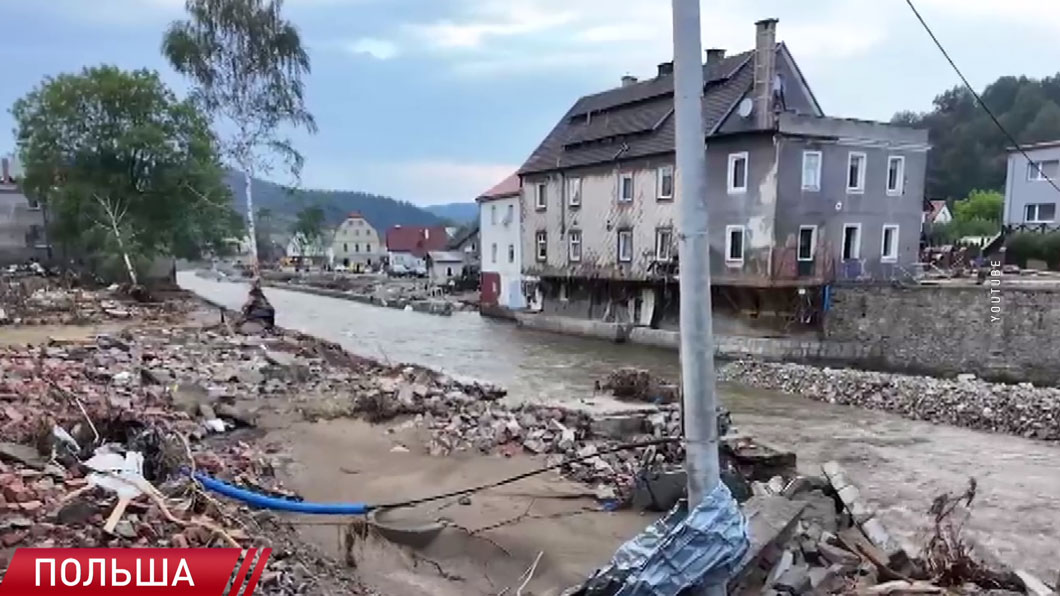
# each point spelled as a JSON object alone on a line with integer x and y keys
{"x": 640, "y": 385}
{"x": 1023, "y": 410}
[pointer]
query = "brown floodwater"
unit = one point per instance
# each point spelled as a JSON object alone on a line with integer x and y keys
{"x": 900, "y": 465}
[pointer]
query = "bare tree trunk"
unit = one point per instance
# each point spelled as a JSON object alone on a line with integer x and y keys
{"x": 114, "y": 218}
{"x": 251, "y": 228}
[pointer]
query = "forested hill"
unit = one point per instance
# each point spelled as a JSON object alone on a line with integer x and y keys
{"x": 968, "y": 150}
{"x": 283, "y": 204}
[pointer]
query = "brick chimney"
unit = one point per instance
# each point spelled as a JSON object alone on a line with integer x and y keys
{"x": 628, "y": 80}
{"x": 666, "y": 69}
{"x": 715, "y": 55}
{"x": 765, "y": 71}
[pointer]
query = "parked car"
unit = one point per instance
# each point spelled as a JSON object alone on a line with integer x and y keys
{"x": 398, "y": 270}
{"x": 341, "y": 269}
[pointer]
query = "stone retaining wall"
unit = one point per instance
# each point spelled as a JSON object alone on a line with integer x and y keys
{"x": 948, "y": 330}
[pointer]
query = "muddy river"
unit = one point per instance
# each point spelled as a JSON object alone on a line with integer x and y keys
{"x": 900, "y": 464}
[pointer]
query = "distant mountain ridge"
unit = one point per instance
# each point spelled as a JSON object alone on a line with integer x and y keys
{"x": 459, "y": 213}
{"x": 284, "y": 204}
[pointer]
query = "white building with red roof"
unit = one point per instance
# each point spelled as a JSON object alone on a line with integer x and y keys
{"x": 499, "y": 228}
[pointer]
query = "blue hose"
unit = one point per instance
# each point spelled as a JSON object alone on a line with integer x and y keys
{"x": 276, "y": 503}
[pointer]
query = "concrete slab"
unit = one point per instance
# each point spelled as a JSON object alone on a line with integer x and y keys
{"x": 770, "y": 523}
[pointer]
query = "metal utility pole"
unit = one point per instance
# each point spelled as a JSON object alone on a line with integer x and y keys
{"x": 697, "y": 334}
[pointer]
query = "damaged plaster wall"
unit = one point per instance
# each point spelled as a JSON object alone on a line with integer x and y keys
{"x": 598, "y": 218}
{"x": 832, "y": 207}
{"x": 754, "y": 209}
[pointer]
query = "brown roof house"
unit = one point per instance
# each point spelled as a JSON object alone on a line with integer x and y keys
{"x": 797, "y": 199}
{"x": 408, "y": 245}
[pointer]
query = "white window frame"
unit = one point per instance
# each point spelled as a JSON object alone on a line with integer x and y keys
{"x": 541, "y": 196}
{"x": 627, "y": 233}
{"x": 660, "y": 173}
{"x": 511, "y": 253}
{"x": 1037, "y": 210}
{"x": 1034, "y": 170}
{"x": 899, "y": 178}
{"x": 511, "y": 215}
{"x": 817, "y": 172}
{"x": 622, "y": 186}
{"x": 574, "y": 192}
{"x": 659, "y": 245}
{"x": 733, "y": 158}
{"x": 813, "y": 244}
{"x": 574, "y": 239}
{"x": 541, "y": 245}
{"x": 493, "y": 252}
{"x": 884, "y": 257}
{"x": 856, "y": 255}
{"x": 493, "y": 215}
{"x": 729, "y": 260}
{"x": 860, "y": 188}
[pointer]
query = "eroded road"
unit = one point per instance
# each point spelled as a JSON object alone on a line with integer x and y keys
{"x": 899, "y": 464}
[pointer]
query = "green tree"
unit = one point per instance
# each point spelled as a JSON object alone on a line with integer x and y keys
{"x": 246, "y": 62}
{"x": 124, "y": 167}
{"x": 968, "y": 150}
{"x": 308, "y": 228}
{"x": 985, "y": 205}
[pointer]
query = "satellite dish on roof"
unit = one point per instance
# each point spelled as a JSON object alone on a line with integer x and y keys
{"x": 746, "y": 106}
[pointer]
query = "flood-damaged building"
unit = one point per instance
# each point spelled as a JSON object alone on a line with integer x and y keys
{"x": 796, "y": 199}
{"x": 22, "y": 225}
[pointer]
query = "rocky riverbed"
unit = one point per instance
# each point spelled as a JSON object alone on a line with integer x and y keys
{"x": 1022, "y": 410}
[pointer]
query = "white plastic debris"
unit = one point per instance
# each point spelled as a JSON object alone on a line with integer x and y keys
{"x": 113, "y": 287}
{"x": 60, "y": 433}
{"x": 215, "y": 424}
{"x": 120, "y": 475}
{"x": 122, "y": 378}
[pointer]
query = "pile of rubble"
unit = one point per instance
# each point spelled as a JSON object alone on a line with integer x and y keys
{"x": 636, "y": 384}
{"x": 818, "y": 535}
{"x": 966, "y": 401}
{"x": 170, "y": 400}
{"x": 583, "y": 445}
{"x": 37, "y": 300}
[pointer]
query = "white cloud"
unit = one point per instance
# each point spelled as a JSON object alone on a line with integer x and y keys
{"x": 380, "y": 49}
{"x": 491, "y": 20}
{"x": 1037, "y": 14}
{"x": 492, "y": 37}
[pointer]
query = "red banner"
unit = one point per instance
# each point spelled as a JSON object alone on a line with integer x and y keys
{"x": 147, "y": 571}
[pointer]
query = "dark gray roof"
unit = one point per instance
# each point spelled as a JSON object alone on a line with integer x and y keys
{"x": 464, "y": 234}
{"x": 636, "y": 120}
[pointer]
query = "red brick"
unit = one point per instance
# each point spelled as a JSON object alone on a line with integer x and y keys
{"x": 179, "y": 541}
{"x": 42, "y": 530}
{"x": 32, "y": 506}
{"x": 13, "y": 538}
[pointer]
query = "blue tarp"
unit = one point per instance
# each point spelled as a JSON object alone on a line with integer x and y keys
{"x": 681, "y": 550}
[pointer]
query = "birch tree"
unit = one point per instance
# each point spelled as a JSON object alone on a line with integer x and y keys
{"x": 247, "y": 63}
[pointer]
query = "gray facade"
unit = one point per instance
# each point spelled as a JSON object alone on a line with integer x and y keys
{"x": 1029, "y": 197}
{"x": 22, "y": 228}
{"x": 834, "y": 207}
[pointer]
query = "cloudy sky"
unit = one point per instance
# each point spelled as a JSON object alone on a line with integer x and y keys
{"x": 433, "y": 101}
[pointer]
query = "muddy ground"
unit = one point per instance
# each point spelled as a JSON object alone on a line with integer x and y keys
{"x": 494, "y": 538}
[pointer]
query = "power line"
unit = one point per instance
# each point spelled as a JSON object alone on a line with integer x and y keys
{"x": 979, "y": 99}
